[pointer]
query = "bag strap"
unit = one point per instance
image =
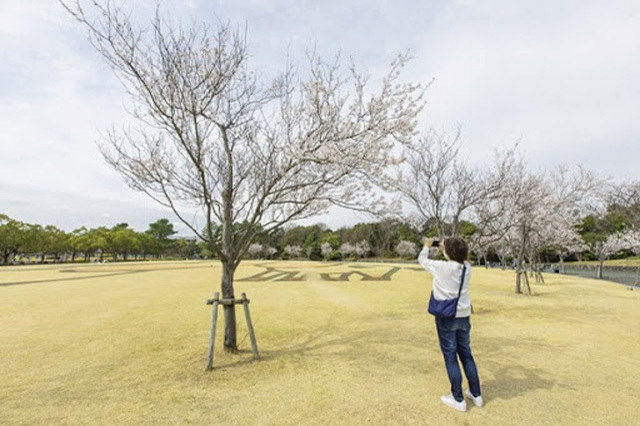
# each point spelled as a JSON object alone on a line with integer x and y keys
{"x": 464, "y": 269}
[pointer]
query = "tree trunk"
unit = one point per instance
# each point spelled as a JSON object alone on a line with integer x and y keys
{"x": 599, "y": 271}
{"x": 230, "y": 338}
{"x": 537, "y": 266}
{"x": 527, "y": 287}
{"x": 520, "y": 271}
{"x": 229, "y": 253}
{"x": 455, "y": 225}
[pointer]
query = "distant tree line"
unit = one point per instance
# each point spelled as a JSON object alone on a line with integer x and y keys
{"x": 22, "y": 242}
{"x": 597, "y": 236}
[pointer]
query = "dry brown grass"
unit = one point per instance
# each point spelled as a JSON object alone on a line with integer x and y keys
{"x": 126, "y": 344}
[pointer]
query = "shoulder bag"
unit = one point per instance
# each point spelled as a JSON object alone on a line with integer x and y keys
{"x": 446, "y": 308}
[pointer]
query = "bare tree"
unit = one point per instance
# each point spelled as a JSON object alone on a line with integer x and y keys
{"x": 438, "y": 183}
{"x": 247, "y": 155}
{"x": 425, "y": 181}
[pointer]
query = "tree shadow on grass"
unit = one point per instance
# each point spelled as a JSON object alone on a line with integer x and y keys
{"x": 241, "y": 357}
{"x": 513, "y": 382}
{"x": 313, "y": 345}
{"x": 511, "y": 379}
{"x": 315, "y": 341}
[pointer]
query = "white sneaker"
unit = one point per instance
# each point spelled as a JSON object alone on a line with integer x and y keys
{"x": 477, "y": 400}
{"x": 451, "y": 402}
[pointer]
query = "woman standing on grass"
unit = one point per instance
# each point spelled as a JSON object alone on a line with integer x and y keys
{"x": 448, "y": 278}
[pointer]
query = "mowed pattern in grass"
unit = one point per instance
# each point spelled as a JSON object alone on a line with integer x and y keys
{"x": 340, "y": 343}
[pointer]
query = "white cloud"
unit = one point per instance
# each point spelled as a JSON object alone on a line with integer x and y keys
{"x": 564, "y": 85}
{"x": 560, "y": 75}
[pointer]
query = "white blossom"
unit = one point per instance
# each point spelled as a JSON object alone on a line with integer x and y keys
{"x": 255, "y": 250}
{"x": 326, "y": 250}
{"x": 406, "y": 248}
{"x": 362, "y": 248}
{"x": 270, "y": 251}
{"x": 632, "y": 241}
{"x": 293, "y": 251}
{"x": 346, "y": 249}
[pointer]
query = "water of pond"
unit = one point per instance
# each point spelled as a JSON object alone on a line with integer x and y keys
{"x": 620, "y": 275}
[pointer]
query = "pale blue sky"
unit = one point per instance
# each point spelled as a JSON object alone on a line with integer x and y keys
{"x": 561, "y": 76}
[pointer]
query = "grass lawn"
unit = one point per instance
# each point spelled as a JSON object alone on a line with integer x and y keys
{"x": 340, "y": 344}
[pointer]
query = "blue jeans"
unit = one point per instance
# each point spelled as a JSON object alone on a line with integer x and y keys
{"x": 453, "y": 334}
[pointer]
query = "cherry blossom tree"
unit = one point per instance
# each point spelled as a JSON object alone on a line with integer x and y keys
{"x": 529, "y": 206}
{"x": 481, "y": 245}
{"x": 603, "y": 250}
{"x": 633, "y": 241}
{"x": 406, "y": 249}
{"x": 504, "y": 250}
{"x": 563, "y": 237}
{"x": 361, "y": 248}
{"x": 210, "y": 134}
{"x": 346, "y": 249}
{"x": 508, "y": 217}
{"x": 293, "y": 251}
{"x": 255, "y": 250}
{"x": 270, "y": 251}
{"x": 326, "y": 250}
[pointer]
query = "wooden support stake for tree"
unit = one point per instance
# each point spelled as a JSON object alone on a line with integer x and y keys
{"x": 254, "y": 344}
{"x": 214, "y": 318}
{"x": 526, "y": 284}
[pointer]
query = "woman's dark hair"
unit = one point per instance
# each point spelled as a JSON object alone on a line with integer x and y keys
{"x": 456, "y": 248}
